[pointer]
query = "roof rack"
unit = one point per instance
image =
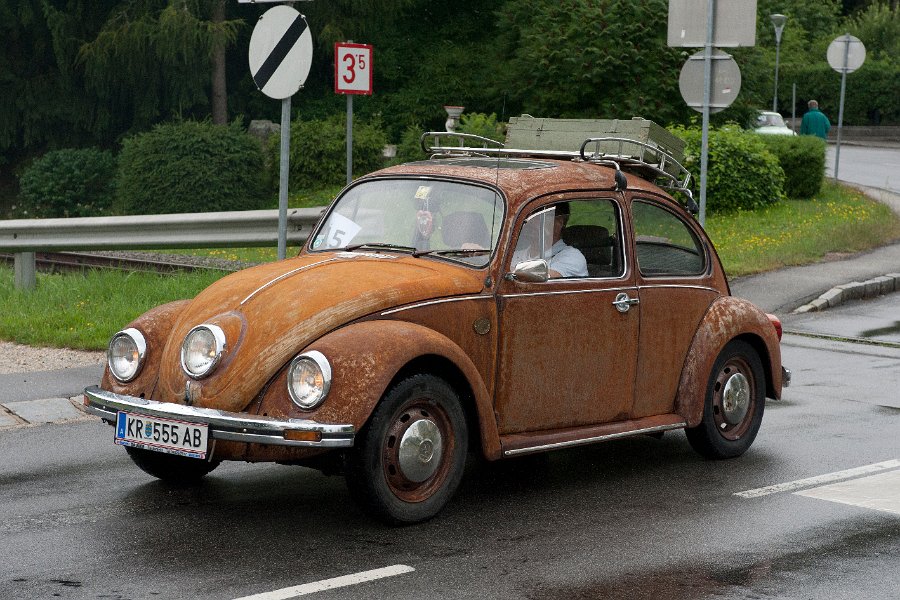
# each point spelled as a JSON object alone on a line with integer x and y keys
{"x": 645, "y": 160}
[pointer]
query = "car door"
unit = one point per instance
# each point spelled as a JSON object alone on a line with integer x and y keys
{"x": 567, "y": 350}
{"x": 676, "y": 288}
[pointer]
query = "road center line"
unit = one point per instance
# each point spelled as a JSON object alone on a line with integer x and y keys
{"x": 330, "y": 584}
{"x": 819, "y": 479}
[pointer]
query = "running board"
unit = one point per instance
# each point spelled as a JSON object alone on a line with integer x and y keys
{"x": 528, "y": 443}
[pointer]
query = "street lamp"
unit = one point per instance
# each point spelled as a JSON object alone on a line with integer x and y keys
{"x": 778, "y": 21}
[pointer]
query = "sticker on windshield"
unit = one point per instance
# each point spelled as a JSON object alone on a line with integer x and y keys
{"x": 340, "y": 231}
{"x": 423, "y": 192}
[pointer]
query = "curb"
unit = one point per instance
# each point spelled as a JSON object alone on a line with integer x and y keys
{"x": 855, "y": 290}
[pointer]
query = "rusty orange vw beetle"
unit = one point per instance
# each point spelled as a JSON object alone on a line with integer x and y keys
{"x": 495, "y": 300}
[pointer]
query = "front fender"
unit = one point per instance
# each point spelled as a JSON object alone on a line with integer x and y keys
{"x": 155, "y": 325}
{"x": 728, "y": 318}
{"x": 366, "y": 356}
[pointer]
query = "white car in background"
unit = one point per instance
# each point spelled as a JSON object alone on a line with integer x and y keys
{"x": 771, "y": 123}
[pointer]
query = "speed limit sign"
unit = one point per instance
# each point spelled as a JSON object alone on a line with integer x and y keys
{"x": 352, "y": 68}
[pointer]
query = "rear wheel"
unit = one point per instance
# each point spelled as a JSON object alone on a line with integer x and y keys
{"x": 735, "y": 400}
{"x": 409, "y": 458}
{"x": 178, "y": 470}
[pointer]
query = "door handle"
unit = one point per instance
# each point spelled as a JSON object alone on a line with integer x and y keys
{"x": 623, "y": 303}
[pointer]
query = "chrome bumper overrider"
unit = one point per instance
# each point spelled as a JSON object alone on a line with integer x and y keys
{"x": 785, "y": 377}
{"x": 238, "y": 427}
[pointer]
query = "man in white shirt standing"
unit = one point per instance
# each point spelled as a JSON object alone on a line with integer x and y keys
{"x": 565, "y": 261}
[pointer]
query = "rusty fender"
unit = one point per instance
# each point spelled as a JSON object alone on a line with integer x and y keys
{"x": 728, "y": 318}
{"x": 367, "y": 355}
{"x": 155, "y": 324}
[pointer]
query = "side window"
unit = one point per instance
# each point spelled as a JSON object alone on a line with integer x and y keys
{"x": 580, "y": 238}
{"x": 664, "y": 244}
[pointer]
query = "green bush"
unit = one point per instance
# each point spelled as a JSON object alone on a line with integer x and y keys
{"x": 76, "y": 182}
{"x": 483, "y": 125}
{"x": 742, "y": 174}
{"x": 191, "y": 166}
{"x": 319, "y": 151}
{"x": 803, "y": 160}
{"x": 410, "y": 147}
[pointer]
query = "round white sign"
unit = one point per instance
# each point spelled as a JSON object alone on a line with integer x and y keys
{"x": 280, "y": 52}
{"x": 849, "y": 48}
{"x": 725, "y": 84}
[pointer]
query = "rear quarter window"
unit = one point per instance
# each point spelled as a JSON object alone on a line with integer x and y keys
{"x": 664, "y": 243}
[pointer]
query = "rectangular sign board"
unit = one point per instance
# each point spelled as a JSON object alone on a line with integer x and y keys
{"x": 352, "y": 68}
{"x": 734, "y": 25}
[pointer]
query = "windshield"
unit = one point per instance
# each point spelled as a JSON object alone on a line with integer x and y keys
{"x": 457, "y": 221}
{"x": 770, "y": 120}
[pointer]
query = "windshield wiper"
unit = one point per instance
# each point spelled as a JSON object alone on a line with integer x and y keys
{"x": 380, "y": 246}
{"x": 454, "y": 251}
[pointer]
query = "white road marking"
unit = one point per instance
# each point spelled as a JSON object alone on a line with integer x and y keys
{"x": 819, "y": 479}
{"x": 879, "y": 492}
{"x": 330, "y": 584}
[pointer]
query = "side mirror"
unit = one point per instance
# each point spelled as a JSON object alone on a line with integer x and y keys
{"x": 531, "y": 271}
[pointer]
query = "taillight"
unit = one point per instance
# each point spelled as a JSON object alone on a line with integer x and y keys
{"x": 776, "y": 323}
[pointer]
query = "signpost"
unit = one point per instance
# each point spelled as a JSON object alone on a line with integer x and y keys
{"x": 352, "y": 76}
{"x": 845, "y": 55}
{"x": 280, "y": 58}
{"x": 709, "y": 23}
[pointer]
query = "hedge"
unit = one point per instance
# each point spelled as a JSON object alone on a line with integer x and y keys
{"x": 191, "y": 166}
{"x": 742, "y": 173}
{"x": 803, "y": 160}
{"x": 75, "y": 182}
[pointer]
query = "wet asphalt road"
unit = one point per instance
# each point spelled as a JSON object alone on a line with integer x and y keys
{"x": 639, "y": 518}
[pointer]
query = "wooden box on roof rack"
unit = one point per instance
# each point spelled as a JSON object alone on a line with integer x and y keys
{"x": 533, "y": 133}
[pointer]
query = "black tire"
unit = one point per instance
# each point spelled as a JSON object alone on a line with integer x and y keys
{"x": 734, "y": 405}
{"x": 177, "y": 470}
{"x": 409, "y": 458}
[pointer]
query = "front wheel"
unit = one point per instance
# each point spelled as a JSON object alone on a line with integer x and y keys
{"x": 178, "y": 470}
{"x": 409, "y": 457}
{"x": 735, "y": 400}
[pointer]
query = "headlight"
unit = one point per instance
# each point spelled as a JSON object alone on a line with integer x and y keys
{"x": 309, "y": 378}
{"x": 125, "y": 355}
{"x": 202, "y": 349}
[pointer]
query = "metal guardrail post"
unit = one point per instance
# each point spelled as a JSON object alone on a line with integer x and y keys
{"x": 25, "y": 268}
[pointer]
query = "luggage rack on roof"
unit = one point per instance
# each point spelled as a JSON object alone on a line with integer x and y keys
{"x": 645, "y": 160}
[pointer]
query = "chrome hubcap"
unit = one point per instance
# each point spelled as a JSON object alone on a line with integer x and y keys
{"x": 421, "y": 449}
{"x": 736, "y": 398}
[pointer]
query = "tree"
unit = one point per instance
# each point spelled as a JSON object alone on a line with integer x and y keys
{"x": 158, "y": 55}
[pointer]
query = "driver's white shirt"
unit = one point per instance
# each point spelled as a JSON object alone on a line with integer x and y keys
{"x": 567, "y": 261}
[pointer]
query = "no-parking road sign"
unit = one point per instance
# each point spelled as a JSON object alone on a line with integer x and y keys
{"x": 280, "y": 52}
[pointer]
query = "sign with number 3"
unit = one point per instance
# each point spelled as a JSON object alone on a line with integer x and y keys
{"x": 352, "y": 68}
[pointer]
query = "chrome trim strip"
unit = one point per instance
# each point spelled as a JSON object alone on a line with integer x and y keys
{"x": 681, "y": 286}
{"x": 431, "y": 302}
{"x": 285, "y": 276}
{"x": 557, "y": 292}
{"x": 224, "y": 425}
{"x": 599, "y": 438}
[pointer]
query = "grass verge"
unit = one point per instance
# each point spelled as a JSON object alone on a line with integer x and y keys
{"x": 83, "y": 311}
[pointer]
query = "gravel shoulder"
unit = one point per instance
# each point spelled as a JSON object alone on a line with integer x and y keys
{"x": 17, "y": 358}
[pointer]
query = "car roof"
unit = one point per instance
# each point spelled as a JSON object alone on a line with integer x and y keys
{"x": 522, "y": 179}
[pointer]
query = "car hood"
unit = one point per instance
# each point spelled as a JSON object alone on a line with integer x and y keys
{"x": 271, "y": 312}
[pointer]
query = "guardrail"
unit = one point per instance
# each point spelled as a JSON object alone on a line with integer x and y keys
{"x": 238, "y": 229}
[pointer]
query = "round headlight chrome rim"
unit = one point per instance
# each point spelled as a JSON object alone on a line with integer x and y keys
{"x": 139, "y": 351}
{"x": 316, "y": 365}
{"x": 214, "y": 351}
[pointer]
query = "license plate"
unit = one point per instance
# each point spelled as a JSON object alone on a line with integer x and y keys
{"x": 162, "y": 435}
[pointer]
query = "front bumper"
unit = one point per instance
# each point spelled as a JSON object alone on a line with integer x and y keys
{"x": 236, "y": 427}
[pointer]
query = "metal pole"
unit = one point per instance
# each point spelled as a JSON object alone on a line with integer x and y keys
{"x": 349, "y": 138}
{"x": 794, "y": 107}
{"x": 837, "y": 150}
{"x": 777, "y": 57}
{"x": 707, "y": 89}
{"x": 283, "y": 179}
{"x": 24, "y": 265}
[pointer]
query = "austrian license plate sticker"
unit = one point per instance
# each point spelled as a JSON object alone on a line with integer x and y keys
{"x": 162, "y": 435}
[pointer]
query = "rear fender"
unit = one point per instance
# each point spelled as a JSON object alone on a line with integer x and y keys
{"x": 728, "y": 318}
